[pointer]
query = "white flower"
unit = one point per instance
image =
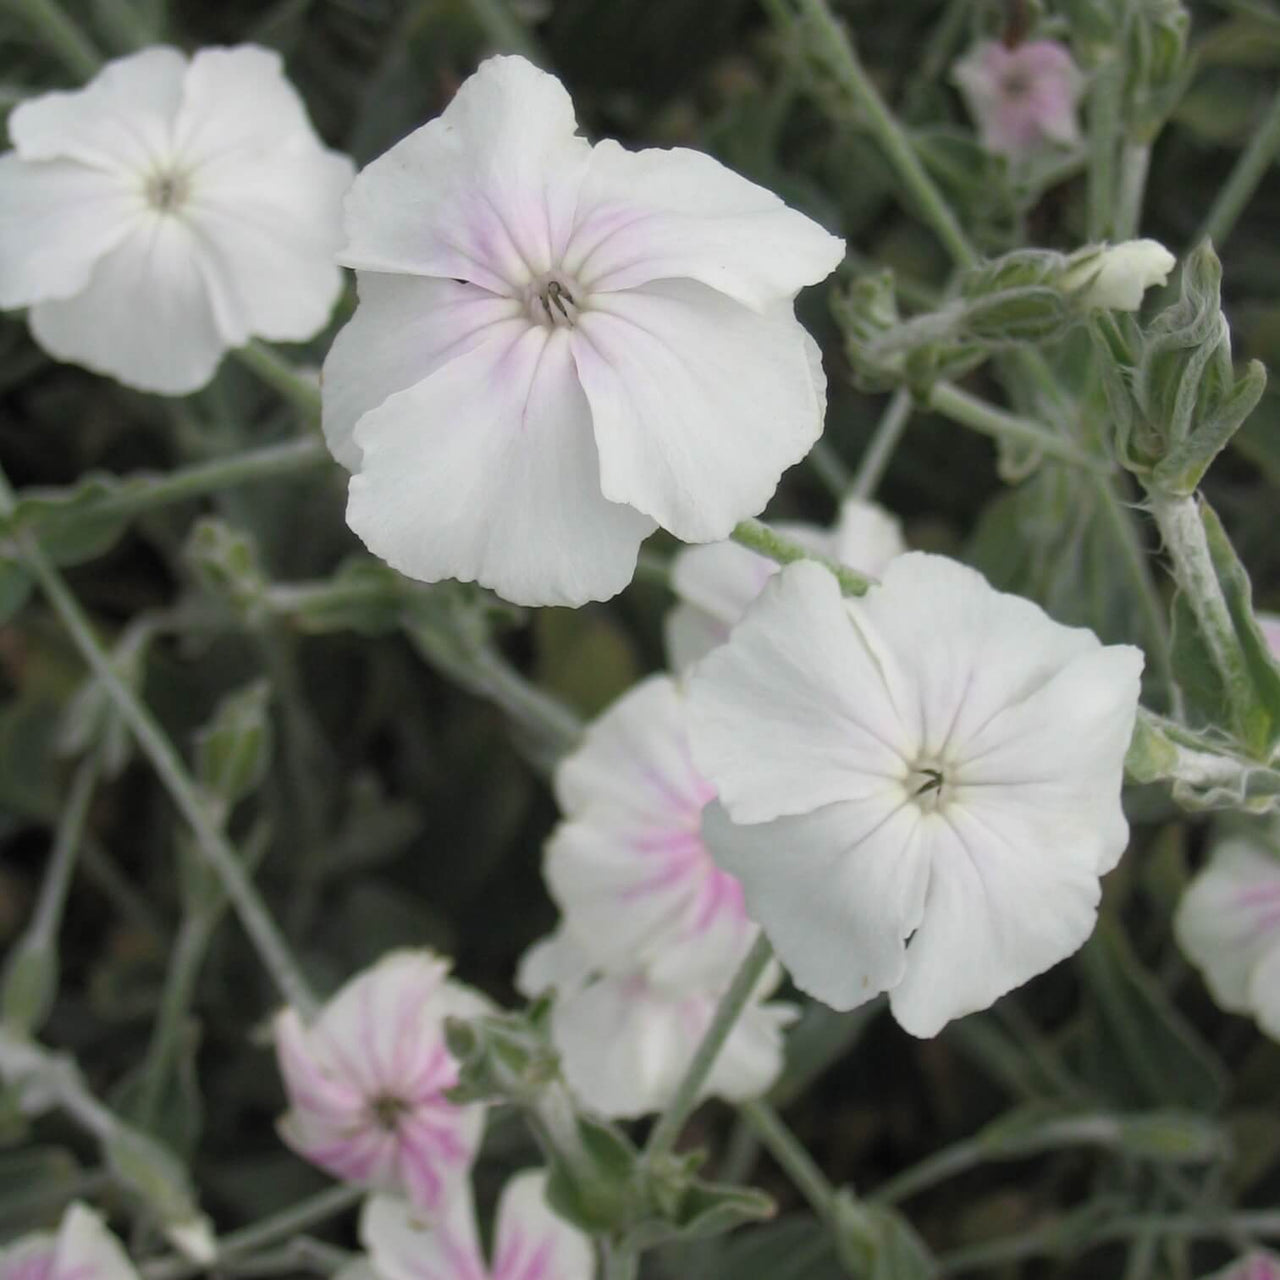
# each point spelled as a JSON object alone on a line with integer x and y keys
{"x": 1228, "y": 923}
{"x": 715, "y": 583}
{"x": 1118, "y": 275}
{"x": 638, "y": 890}
{"x": 366, "y": 1080}
{"x": 82, "y": 1249}
{"x": 167, "y": 212}
{"x": 560, "y": 346}
{"x": 625, "y": 1042}
{"x": 530, "y": 1242}
{"x": 936, "y": 762}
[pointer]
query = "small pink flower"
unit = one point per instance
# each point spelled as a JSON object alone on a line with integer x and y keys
{"x": 530, "y": 1242}
{"x": 82, "y": 1249}
{"x": 1258, "y": 1265}
{"x": 366, "y": 1081}
{"x": 1021, "y": 98}
{"x": 627, "y": 866}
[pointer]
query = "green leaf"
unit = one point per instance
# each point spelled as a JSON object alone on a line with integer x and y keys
{"x": 878, "y": 1243}
{"x": 797, "y": 1248}
{"x": 1145, "y": 1052}
{"x": 1206, "y": 698}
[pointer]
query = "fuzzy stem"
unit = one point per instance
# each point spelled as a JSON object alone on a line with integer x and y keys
{"x": 1105, "y": 103}
{"x": 790, "y": 1153}
{"x": 279, "y": 374}
{"x": 759, "y": 537}
{"x": 164, "y": 757}
{"x": 1135, "y": 161}
{"x": 970, "y": 411}
{"x": 876, "y": 456}
{"x": 60, "y": 33}
{"x": 662, "y": 1140}
{"x": 829, "y": 41}
{"x": 1237, "y": 191}
{"x": 505, "y": 32}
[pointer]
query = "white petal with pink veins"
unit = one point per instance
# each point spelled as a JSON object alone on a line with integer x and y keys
{"x": 532, "y": 1242}
{"x": 487, "y": 471}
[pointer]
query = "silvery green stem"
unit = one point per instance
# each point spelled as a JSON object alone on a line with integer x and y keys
{"x": 252, "y": 911}
{"x": 1182, "y": 530}
{"x": 829, "y": 41}
{"x": 666, "y": 1131}
{"x": 1135, "y": 161}
{"x": 277, "y": 372}
{"x": 60, "y": 34}
{"x": 875, "y": 459}
{"x": 1237, "y": 191}
{"x": 31, "y": 972}
{"x": 970, "y": 411}
{"x": 791, "y": 1155}
{"x": 505, "y": 32}
{"x": 757, "y": 536}
{"x": 306, "y": 1213}
{"x": 1105, "y": 103}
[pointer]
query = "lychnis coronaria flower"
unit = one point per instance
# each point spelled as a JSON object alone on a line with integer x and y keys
{"x": 1021, "y": 98}
{"x": 715, "y": 583}
{"x": 167, "y": 212}
{"x": 920, "y": 788}
{"x": 529, "y": 1241}
{"x": 366, "y": 1081}
{"x": 638, "y": 890}
{"x": 626, "y": 1041}
{"x": 81, "y": 1249}
{"x": 560, "y": 346}
{"x": 1228, "y": 923}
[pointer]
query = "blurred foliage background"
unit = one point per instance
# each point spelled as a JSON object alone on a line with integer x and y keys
{"x": 402, "y": 809}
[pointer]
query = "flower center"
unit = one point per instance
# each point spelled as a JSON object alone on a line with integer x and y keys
{"x": 386, "y": 1110}
{"x": 167, "y": 190}
{"x": 927, "y": 786}
{"x": 554, "y": 300}
{"x": 1016, "y": 83}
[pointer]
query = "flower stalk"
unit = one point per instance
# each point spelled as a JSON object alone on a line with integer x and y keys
{"x": 666, "y": 1131}
{"x": 60, "y": 34}
{"x": 759, "y": 537}
{"x": 164, "y": 757}
{"x": 1237, "y": 191}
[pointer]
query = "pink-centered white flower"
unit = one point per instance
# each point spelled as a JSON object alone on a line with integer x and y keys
{"x": 366, "y": 1081}
{"x": 625, "y": 1041}
{"x": 1021, "y": 98}
{"x": 168, "y": 211}
{"x": 81, "y": 1249}
{"x": 919, "y": 789}
{"x": 529, "y": 1241}
{"x": 715, "y": 583}
{"x": 638, "y": 890}
{"x": 1228, "y": 924}
{"x": 560, "y": 346}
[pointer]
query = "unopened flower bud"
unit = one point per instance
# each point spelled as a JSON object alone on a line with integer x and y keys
{"x": 1115, "y": 278}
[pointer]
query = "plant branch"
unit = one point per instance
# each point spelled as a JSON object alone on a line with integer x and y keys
{"x": 666, "y": 1131}
{"x": 60, "y": 33}
{"x": 760, "y": 538}
{"x": 1250, "y": 168}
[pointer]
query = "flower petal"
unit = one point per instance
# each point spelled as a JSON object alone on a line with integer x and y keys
{"x": 699, "y": 404}
{"x": 555, "y": 962}
{"x": 837, "y": 891}
{"x": 87, "y": 1250}
{"x": 532, "y": 1242}
{"x": 404, "y": 329}
{"x": 265, "y": 194}
{"x": 122, "y": 120}
{"x": 625, "y": 1046}
{"x": 406, "y": 1244}
{"x": 487, "y": 471}
{"x": 794, "y": 713}
{"x": 486, "y": 192}
{"x": 57, "y": 219}
{"x": 1228, "y": 921}
{"x": 655, "y": 215}
{"x": 171, "y": 343}
{"x": 866, "y": 537}
{"x": 1003, "y": 905}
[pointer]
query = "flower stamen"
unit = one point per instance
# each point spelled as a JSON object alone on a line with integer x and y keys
{"x": 387, "y": 1109}
{"x": 554, "y": 302}
{"x": 167, "y": 190}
